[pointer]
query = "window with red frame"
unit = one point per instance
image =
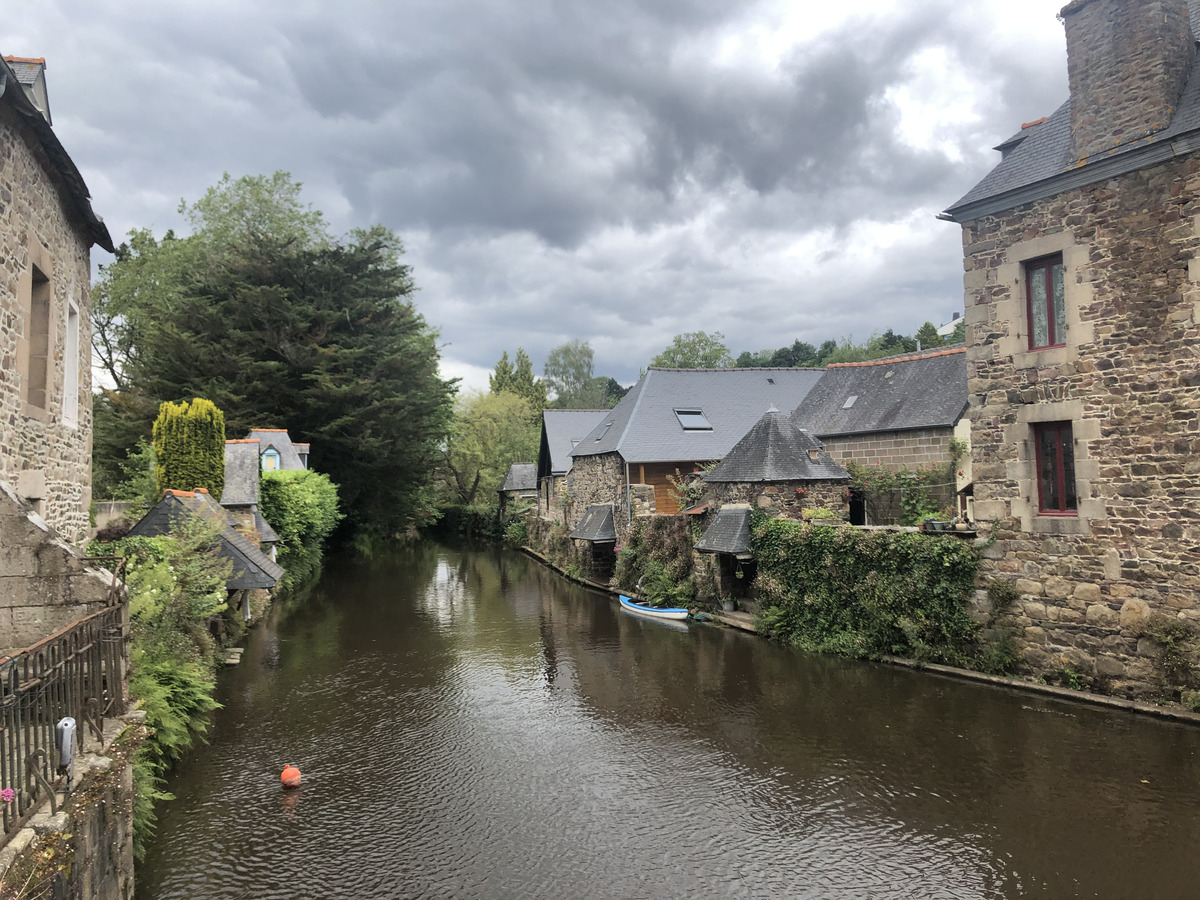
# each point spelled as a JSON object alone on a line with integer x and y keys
{"x": 1055, "y": 456}
{"x": 1044, "y": 302}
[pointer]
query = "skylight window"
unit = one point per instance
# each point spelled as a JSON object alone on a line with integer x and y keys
{"x": 850, "y": 401}
{"x": 693, "y": 420}
{"x": 603, "y": 432}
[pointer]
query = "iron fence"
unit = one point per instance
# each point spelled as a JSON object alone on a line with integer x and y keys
{"x": 77, "y": 672}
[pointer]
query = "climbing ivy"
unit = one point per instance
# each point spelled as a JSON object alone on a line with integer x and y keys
{"x": 656, "y": 562}
{"x": 866, "y": 593}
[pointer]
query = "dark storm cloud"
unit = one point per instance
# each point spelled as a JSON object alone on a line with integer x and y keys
{"x": 606, "y": 171}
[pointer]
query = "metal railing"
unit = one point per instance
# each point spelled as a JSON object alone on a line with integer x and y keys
{"x": 79, "y": 672}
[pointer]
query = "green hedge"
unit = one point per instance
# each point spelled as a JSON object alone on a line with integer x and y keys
{"x": 189, "y": 447}
{"x": 866, "y": 593}
{"x": 302, "y": 507}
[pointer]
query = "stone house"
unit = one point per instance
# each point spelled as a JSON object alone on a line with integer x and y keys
{"x": 562, "y": 429}
{"x": 777, "y": 468}
{"x": 671, "y": 425}
{"x": 277, "y": 450}
{"x": 896, "y": 413}
{"x": 240, "y": 498}
{"x": 47, "y": 230}
{"x": 519, "y": 484}
{"x": 250, "y": 569}
{"x": 1082, "y": 290}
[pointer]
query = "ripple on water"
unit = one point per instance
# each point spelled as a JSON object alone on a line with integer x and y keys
{"x": 481, "y": 748}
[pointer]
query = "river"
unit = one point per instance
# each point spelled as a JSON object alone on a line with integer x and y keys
{"x": 469, "y": 724}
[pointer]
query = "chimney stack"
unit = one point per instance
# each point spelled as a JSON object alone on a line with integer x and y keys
{"x": 1128, "y": 62}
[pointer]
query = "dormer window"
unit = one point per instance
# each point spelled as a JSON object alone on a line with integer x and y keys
{"x": 270, "y": 460}
{"x": 693, "y": 420}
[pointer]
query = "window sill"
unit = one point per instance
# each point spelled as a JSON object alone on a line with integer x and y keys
{"x": 36, "y": 413}
{"x": 1060, "y": 523}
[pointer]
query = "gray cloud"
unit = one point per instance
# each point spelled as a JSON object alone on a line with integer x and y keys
{"x": 567, "y": 169}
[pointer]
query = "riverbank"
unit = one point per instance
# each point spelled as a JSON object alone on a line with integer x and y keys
{"x": 745, "y": 622}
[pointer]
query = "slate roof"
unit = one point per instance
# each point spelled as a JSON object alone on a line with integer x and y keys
{"x": 560, "y": 429}
{"x": 279, "y": 439}
{"x": 917, "y": 390}
{"x": 242, "y": 470}
{"x": 596, "y": 525}
{"x": 251, "y": 567}
{"x": 266, "y": 534}
{"x": 520, "y": 477}
{"x": 729, "y": 532}
{"x": 776, "y": 449}
{"x": 1038, "y": 162}
{"x": 62, "y": 167}
{"x": 644, "y": 428}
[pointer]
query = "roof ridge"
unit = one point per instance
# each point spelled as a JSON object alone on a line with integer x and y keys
{"x": 38, "y": 60}
{"x": 907, "y": 357}
{"x": 739, "y": 369}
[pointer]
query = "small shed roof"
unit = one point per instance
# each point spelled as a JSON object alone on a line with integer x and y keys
{"x": 596, "y": 525}
{"x": 251, "y": 567}
{"x": 520, "y": 477}
{"x": 729, "y": 532}
{"x": 899, "y": 393}
{"x": 776, "y": 449}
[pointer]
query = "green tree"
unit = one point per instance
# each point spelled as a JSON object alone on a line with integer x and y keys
{"x": 490, "y": 433}
{"x": 282, "y": 326}
{"x": 928, "y": 337}
{"x": 695, "y": 350}
{"x": 189, "y": 447}
{"x": 569, "y": 377}
{"x": 518, "y": 378}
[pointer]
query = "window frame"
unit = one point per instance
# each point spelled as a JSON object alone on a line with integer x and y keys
{"x": 1063, "y": 468}
{"x": 690, "y": 419}
{"x": 1044, "y": 266}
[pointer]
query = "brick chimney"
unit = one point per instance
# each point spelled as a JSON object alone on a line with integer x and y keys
{"x": 1128, "y": 62}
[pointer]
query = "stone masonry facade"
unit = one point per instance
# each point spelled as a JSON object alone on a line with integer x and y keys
{"x": 1127, "y": 380}
{"x": 45, "y": 448}
{"x": 893, "y": 449}
{"x": 781, "y": 499}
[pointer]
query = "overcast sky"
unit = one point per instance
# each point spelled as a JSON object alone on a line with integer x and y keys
{"x": 612, "y": 171}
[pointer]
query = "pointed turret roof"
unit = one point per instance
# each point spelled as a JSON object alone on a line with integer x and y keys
{"x": 775, "y": 449}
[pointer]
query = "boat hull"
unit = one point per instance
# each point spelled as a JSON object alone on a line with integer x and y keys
{"x": 672, "y": 613}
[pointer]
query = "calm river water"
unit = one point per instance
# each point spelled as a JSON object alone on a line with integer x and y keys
{"x": 471, "y": 725}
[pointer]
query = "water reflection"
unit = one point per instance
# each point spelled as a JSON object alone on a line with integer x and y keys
{"x": 470, "y": 724}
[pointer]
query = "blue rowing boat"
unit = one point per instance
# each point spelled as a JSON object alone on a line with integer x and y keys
{"x": 654, "y": 612}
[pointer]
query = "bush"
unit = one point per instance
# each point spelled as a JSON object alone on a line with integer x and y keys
{"x": 516, "y": 534}
{"x": 866, "y": 594}
{"x": 302, "y": 507}
{"x": 656, "y": 562}
{"x": 189, "y": 447}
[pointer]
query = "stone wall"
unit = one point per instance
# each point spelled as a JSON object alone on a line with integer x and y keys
{"x": 596, "y": 480}
{"x": 45, "y": 585}
{"x": 90, "y": 839}
{"x": 893, "y": 449}
{"x": 1127, "y": 64}
{"x": 43, "y": 454}
{"x": 786, "y": 499}
{"x": 1128, "y": 381}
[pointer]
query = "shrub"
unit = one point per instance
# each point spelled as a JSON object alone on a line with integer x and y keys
{"x": 516, "y": 534}
{"x": 656, "y": 561}
{"x": 302, "y": 507}
{"x": 866, "y": 594}
{"x": 189, "y": 447}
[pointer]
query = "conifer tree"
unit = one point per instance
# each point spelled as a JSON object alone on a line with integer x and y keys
{"x": 189, "y": 447}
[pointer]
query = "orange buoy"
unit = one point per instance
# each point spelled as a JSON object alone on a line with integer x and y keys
{"x": 290, "y": 777}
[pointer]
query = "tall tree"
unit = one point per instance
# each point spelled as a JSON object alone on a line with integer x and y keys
{"x": 283, "y": 326}
{"x": 518, "y": 378}
{"x": 695, "y": 350}
{"x": 490, "y": 433}
{"x": 928, "y": 336}
{"x": 189, "y": 447}
{"x": 569, "y": 377}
